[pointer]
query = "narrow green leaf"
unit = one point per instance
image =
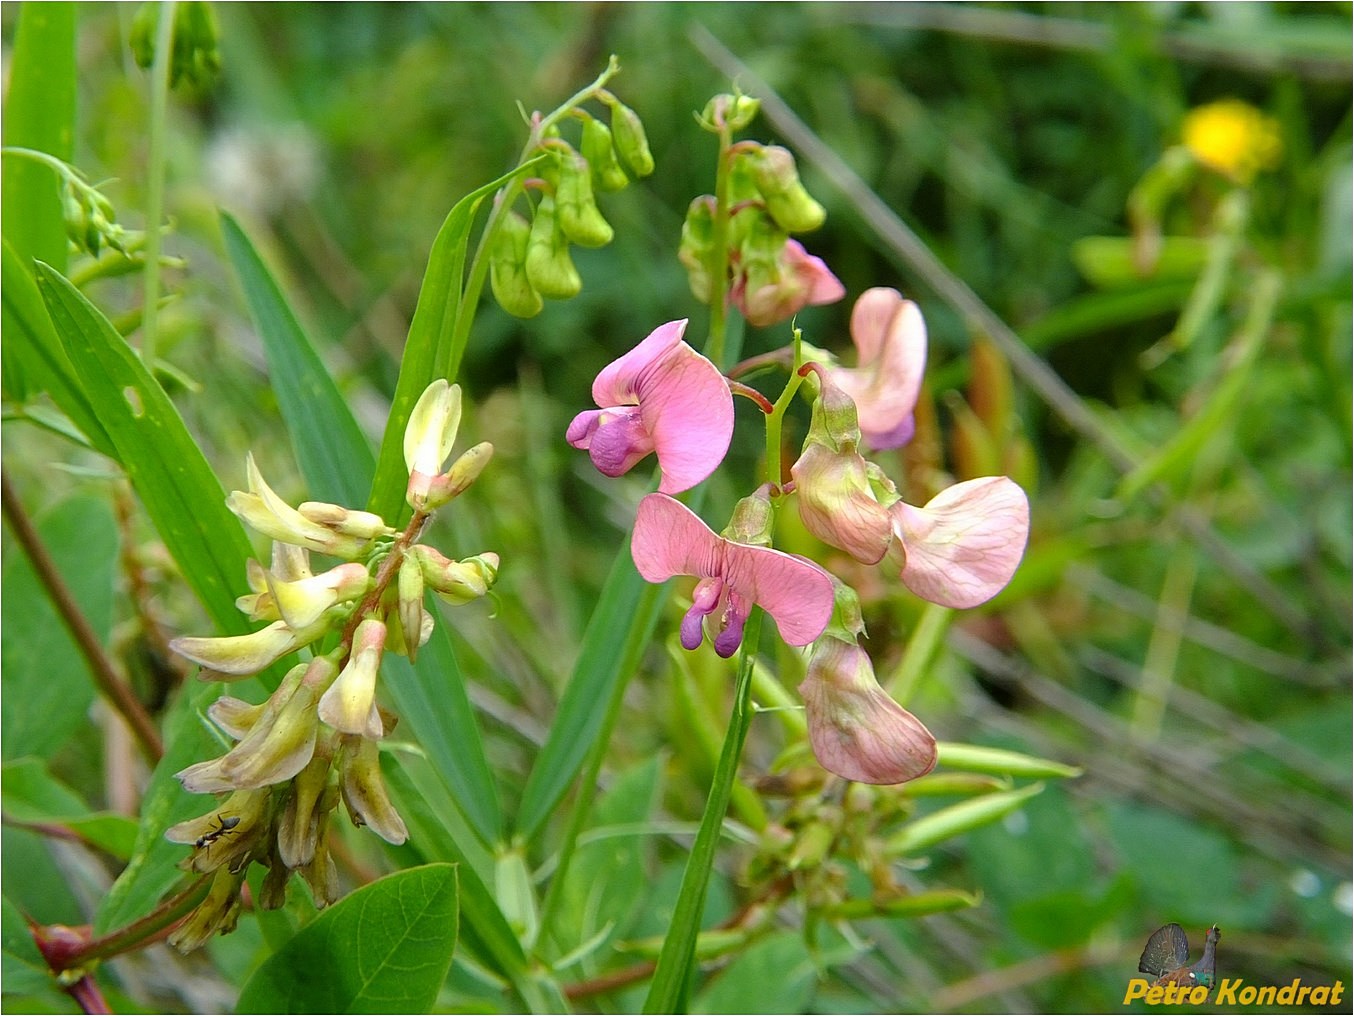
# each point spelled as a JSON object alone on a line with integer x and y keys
{"x": 937, "y": 901}
{"x": 959, "y": 818}
{"x": 39, "y": 114}
{"x": 24, "y": 971}
{"x": 621, "y": 627}
{"x": 385, "y": 948}
{"x": 32, "y": 794}
{"x": 431, "y": 697}
{"x": 330, "y": 448}
{"x": 26, "y": 332}
{"x": 438, "y": 302}
{"x": 975, "y": 758}
{"x": 47, "y": 684}
{"x": 181, "y": 494}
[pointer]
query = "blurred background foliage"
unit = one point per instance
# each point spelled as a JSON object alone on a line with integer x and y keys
{"x": 1211, "y": 715}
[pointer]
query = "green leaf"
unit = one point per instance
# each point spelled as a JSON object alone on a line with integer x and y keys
{"x": 24, "y": 971}
{"x": 941, "y": 825}
{"x": 32, "y": 794}
{"x": 181, "y": 494}
{"x": 39, "y": 114}
{"x": 330, "y": 448}
{"x": 385, "y": 948}
{"x": 439, "y": 301}
{"x": 621, "y": 627}
{"x": 26, "y": 332}
{"x": 775, "y": 975}
{"x": 975, "y": 758}
{"x": 48, "y": 689}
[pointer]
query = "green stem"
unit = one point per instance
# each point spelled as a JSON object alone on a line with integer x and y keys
{"x": 155, "y": 178}
{"x": 777, "y": 417}
{"x": 449, "y": 365}
{"x": 667, "y": 992}
{"x": 719, "y": 254}
{"x": 57, "y": 166}
{"x": 920, "y": 651}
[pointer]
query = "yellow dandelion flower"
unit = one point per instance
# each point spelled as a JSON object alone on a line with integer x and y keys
{"x": 1232, "y": 137}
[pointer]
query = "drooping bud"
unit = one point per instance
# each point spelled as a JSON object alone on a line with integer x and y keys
{"x": 456, "y": 582}
{"x": 508, "y": 268}
{"x": 786, "y": 199}
{"x": 350, "y": 703}
{"x": 298, "y": 828}
{"x": 428, "y": 438}
{"x": 217, "y": 914}
{"x": 195, "y": 57}
{"x": 629, "y": 137}
{"x": 579, "y": 216}
{"x": 596, "y": 146}
{"x": 364, "y": 791}
{"x": 549, "y": 267}
{"x": 321, "y": 874}
{"x": 697, "y": 243}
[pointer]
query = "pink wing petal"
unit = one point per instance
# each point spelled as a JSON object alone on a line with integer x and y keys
{"x": 964, "y": 546}
{"x": 870, "y": 319}
{"x": 615, "y": 385}
{"x": 669, "y": 539}
{"x": 688, "y": 413}
{"x": 796, "y": 592}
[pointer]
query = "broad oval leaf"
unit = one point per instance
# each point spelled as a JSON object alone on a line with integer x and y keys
{"x": 385, "y": 948}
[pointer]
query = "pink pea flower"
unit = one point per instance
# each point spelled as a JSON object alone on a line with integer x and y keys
{"x": 796, "y": 280}
{"x": 962, "y": 548}
{"x": 890, "y": 338}
{"x": 662, "y": 397}
{"x": 855, "y": 729}
{"x": 670, "y": 540}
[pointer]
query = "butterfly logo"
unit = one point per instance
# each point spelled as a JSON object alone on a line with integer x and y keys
{"x": 1167, "y": 952}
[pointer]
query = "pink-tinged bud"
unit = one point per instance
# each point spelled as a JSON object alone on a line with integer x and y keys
{"x": 965, "y": 545}
{"x": 409, "y": 585}
{"x": 364, "y": 791}
{"x": 837, "y": 504}
{"x": 243, "y": 655}
{"x": 429, "y": 436}
{"x": 456, "y": 582}
{"x": 798, "y": 280}
{"x": 350, "y": 703}
{"x": 462, "y": 474}
{"x": 752, "y": 519}
{"x": 348, "y": 521}
{"x": 508, "y": 268}
{"x": 549, "y": 268}
{"x": 303, "y": 602}
{"x": 856, "y": 730}
{"x": 217, "y": 914}
{"x": 263, "y": 511}
{"x": 298, "y": 829}
{"x": 596, "y": 146}
{"x": 786, "y": 199}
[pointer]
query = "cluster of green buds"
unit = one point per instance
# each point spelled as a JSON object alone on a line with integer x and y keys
{"x": 771, "y": 276}
{"x": 314, "y": 741}
{"x": 529, "y": 259}
{"x": 195, "y": 57}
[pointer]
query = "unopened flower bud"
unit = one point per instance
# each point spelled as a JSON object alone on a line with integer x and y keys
{"x": 364, "y": 791}
{"x": 579, "y": 216}
{"x": 303, "y": 602}
{"x": 628, "y": 134}
{"x": 597, "y": 147}
{"x": 298, "y": 828}
{"x": 263, "y": 511}
{"x": 549, "y": 267}
{"x": 786, "y": 199}
{"x": 217, "y": 914}
{"x": 457, "y": 582}
{"x": 752, "y": 519}
{"x": 349, "y": 521}
{"x": 243, "y": 655}
{"x": 350, "y": 703}
{"x": 321, "y": 874}
{"x": 429, "y": 436}
{"x": 196, "y": 56}
{"x": 508, "y": 268}
{"x": 410, "y": 587}
{"x": 732, "y": 111}
{"x": 463, "y": 472}
{"x": 697, "y": 243}
{"x": 811, "y": 846}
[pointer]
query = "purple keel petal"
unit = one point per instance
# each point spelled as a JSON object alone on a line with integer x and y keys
{"x": 964, "y": 546}
{"x": 795, "y": 592}
{"x": 619, "y": 440}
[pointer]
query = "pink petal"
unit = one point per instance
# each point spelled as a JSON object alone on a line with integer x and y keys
{"x": 892, "y": 360}
{"x": 669, "y": 539}
{"x": 837, "y": 505}
{"x": 688, "y": 413}
{"x": 796, "y": 592}
{"x": 964, "y": 546}
{"x": 616, "y": 384}
{"x": 856, "y": 730}
{"x": 821, "y": 285}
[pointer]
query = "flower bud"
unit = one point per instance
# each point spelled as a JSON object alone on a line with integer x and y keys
{"x": 298, "y": 829}
{"x": 350, "y": 703}
{"x": 303, "y": 602}
{"x": 364, "y": 791}
{"x": 195, "y": 57}
{"x": 348, "y": 521}
{"x": 596, "y": 146}
{"x": 263, "y": 511}
{"x": 457, "y": 582}
{"x": 837, "y": 505}
{"x": 549, "y": 268}
{"x": 628, "y": 134}
{"x": 752, "y": 519}
{"x": 697, "y": 244}
{"x": 463, "y": 472}
{"x": 428, "y": 437}
{"x": 410, "y": 587}
{"x": 786, "y": 199}
{"x": 217, "y": 914}
{"x": 579, "y": 216}
{"x": 243, "y": 655}
{"x": 732, "y": 111}
{"x": 321, "y": 874}
{"x": 507, "y": 268}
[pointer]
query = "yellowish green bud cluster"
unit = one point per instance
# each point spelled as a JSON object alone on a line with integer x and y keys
{"x": 195, "y": 59}
{"x": 314, "y": 741}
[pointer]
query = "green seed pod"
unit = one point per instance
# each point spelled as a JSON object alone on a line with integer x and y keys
{"x": 578, "y": 215}
{"x": 600, "y": 151}
{"x": 549, "y": 267}
{"x": 507, "y": 268}
{"x": 631, "y": 141}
